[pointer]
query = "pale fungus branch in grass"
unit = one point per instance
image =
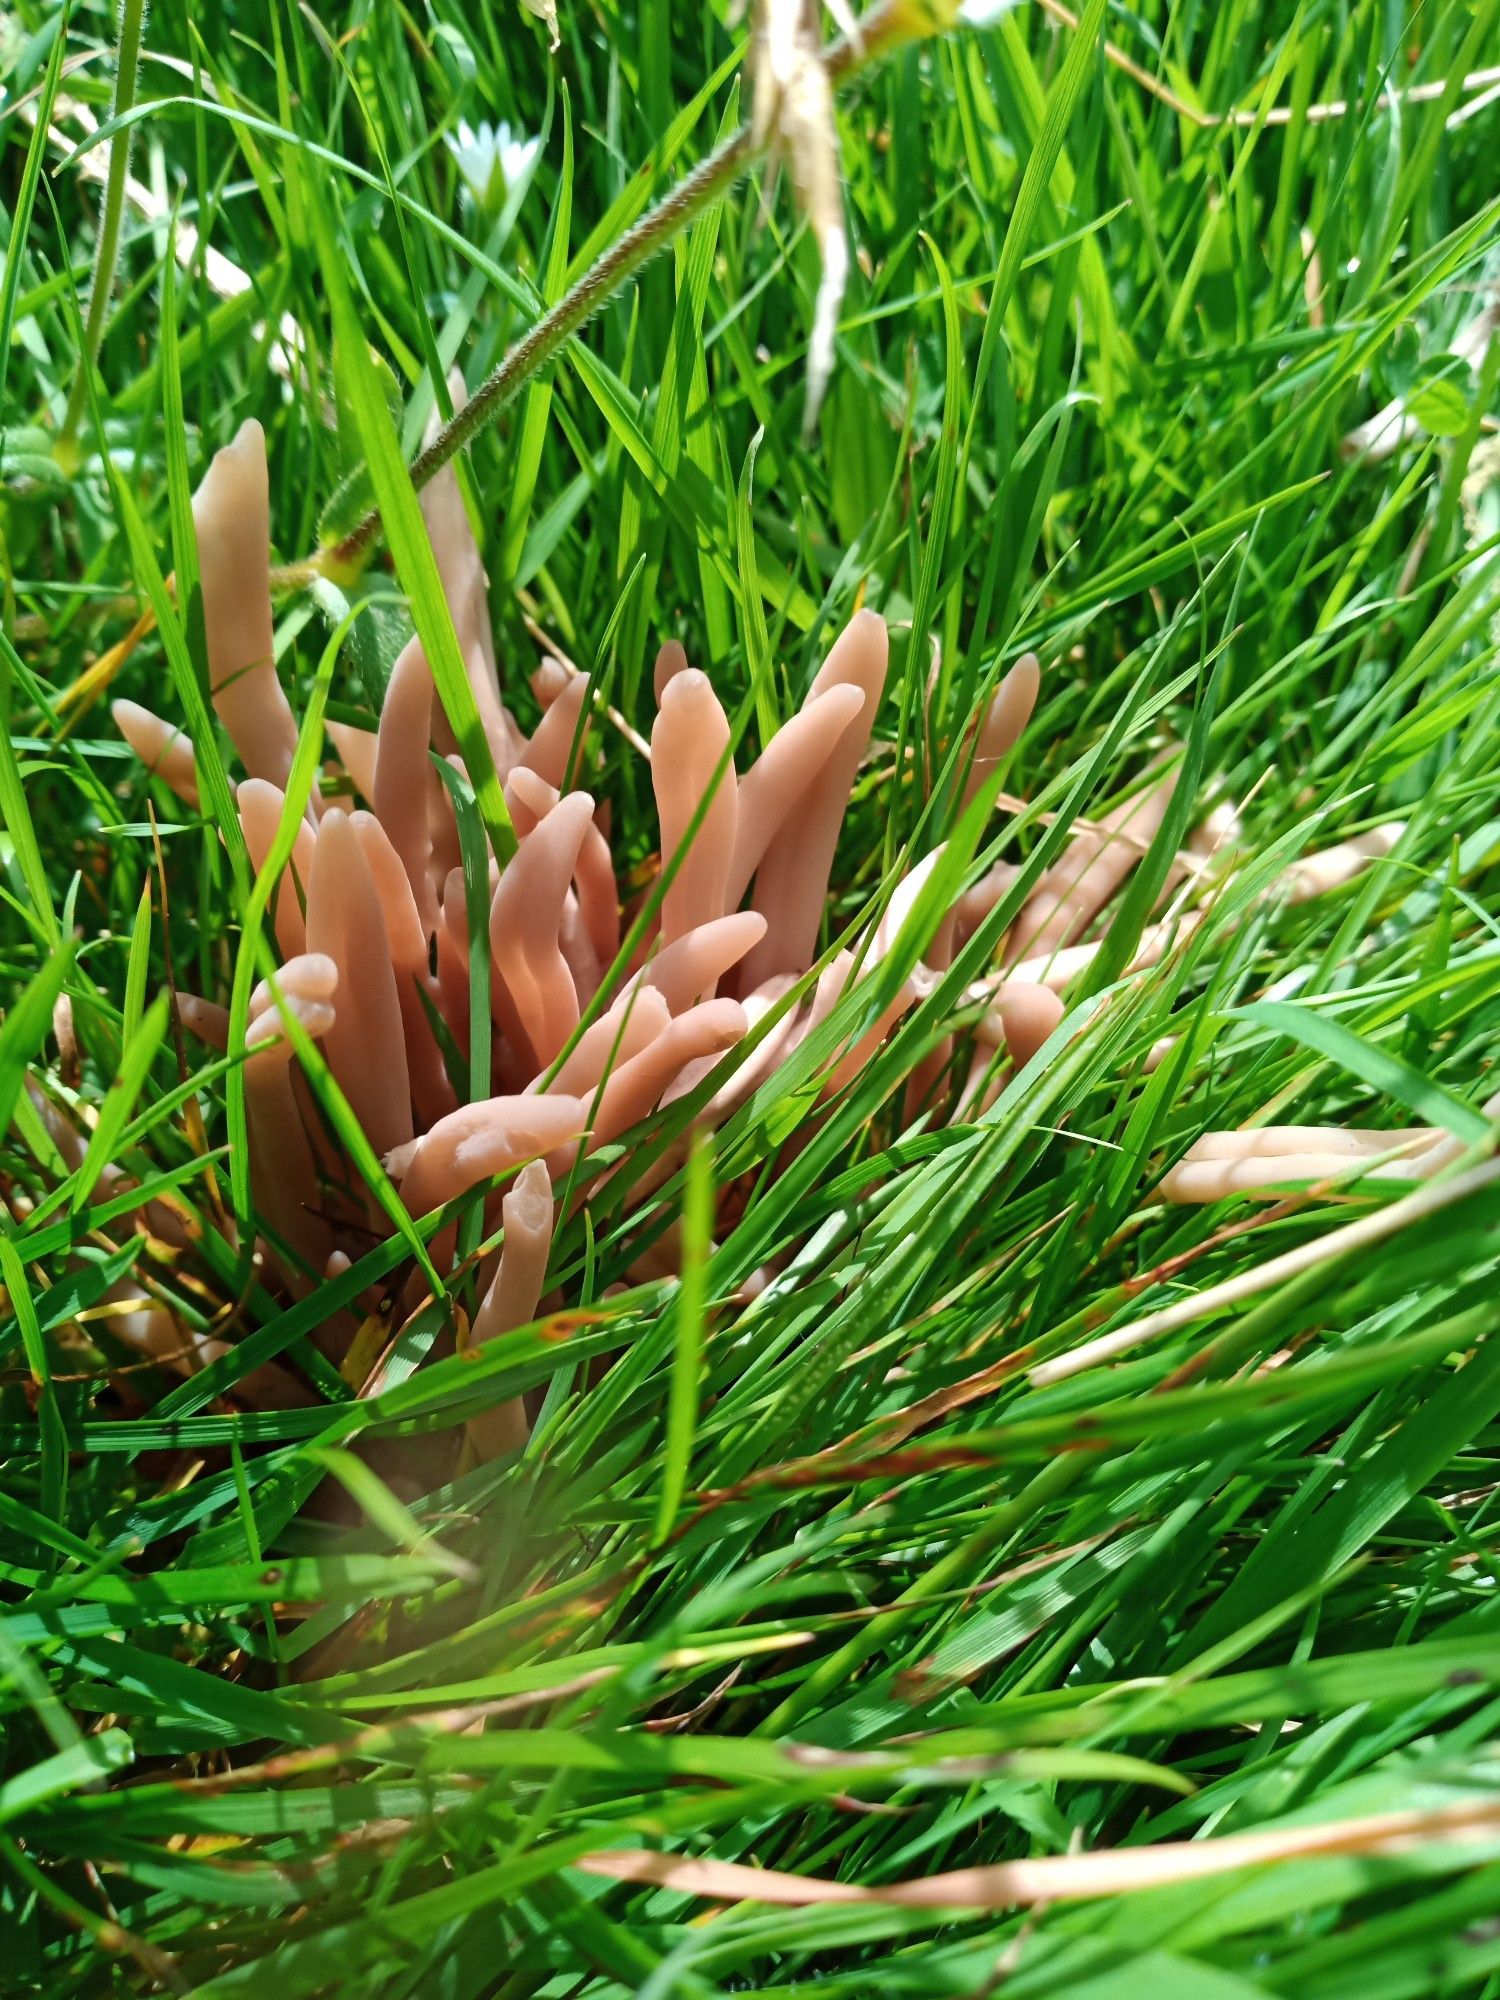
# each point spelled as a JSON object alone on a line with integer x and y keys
{"x": 1093, "y": 866}
{"x": 694, "y": 781}
{"x": 366, "y": 1045}
{"x": 232, "y": 523}
{"x": 517, "y": 1287}
{"x": 690, "y": 968}
{"x": 372, "y": 923}
{"x": 527, "y": 1213}
{"x": 205, "y": 1019}
{"x": 1331, "y": 867}
{"x": 782, "y": 776}
{"x": 791, "y": 877}
{"x": 260, "y": 806}
{"x": 1266, "y": 1158}
{"x": 481, "y": 1140}
{"x": 166, "y": 751}
{"x": 637, "y": 1018}
{"x": 1003, "y": 722}
{"x": 560, "y": 731}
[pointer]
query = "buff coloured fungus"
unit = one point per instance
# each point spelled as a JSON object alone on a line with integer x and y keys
{"x": 589, "y": 1034}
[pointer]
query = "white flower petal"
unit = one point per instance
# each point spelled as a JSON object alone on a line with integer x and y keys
{"x": 981, "y": 13}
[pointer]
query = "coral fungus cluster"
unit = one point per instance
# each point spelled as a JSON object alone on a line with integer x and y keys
{"x": 374, "y": 931}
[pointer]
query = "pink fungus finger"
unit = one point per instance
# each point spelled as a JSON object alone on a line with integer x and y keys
{"x": 548, "y": 681}
{"x": 1061, "y": 966}
{"x": 442, "y": 825}
{"x": 403, "y": 921}
{"x": 561, "y": 732}
{"x": 205, "y": 1019}
{"x": 791, "y": 881}
{"x": 232, "y": 522}
{"x": 512, "y": 1300}
{"x": 1027, "y": 1016}
{"x": 690, "y": 969}
{"x": 671, "y": 661}
{"x": 478, "y": 1141}
{"x": 849, "y": 1065}
{"x": 1004, "y": 722}
{"x": 366, "y": 1047}
{"x": 937, "y": 952}
{"x": 267, "y": 1037}
{"x": 530, "y": 799}
{"x": 356, "y": 749}
{"x": 527, "y": 1213}
{"x": 598, "y": 895}
{"x": 1216, "y": 833}
{"x": 283, "y": 1174}
{"x": 164, "y": 750}
{"x": 981, "y": 1086}
{"x": 752, "y": 1072}
{"x": 260, "y": 807}
{"x": 536, "y": 1002}
{"x": 310, "y": 976}
{"x": 634, "y": 1090}
{"x": 1217, "y": 1180}
{"x": 775, "y": 786}
{"x": 455, "y": 905}
{"x": 903, "y": 903}
{"x": 431, "y": 1091}
{"x": 404, "y": 776}
{"x": 1319, "y": 874}
{"x": 635, "y": 1019}
{"x": 976, "y": 903}
{"x": 452, "y": 977}
{"x": 465, "y": 586}
{"x": 1054, "y": 970}
{"x": 1093, "y": 865}
{"x": 690, "y": 762}
{"x": 1270, "y": 1142}
{"x": 577, "y": 950}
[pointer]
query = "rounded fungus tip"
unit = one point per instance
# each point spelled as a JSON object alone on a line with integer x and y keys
{"x": 1028, "y": 1017}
